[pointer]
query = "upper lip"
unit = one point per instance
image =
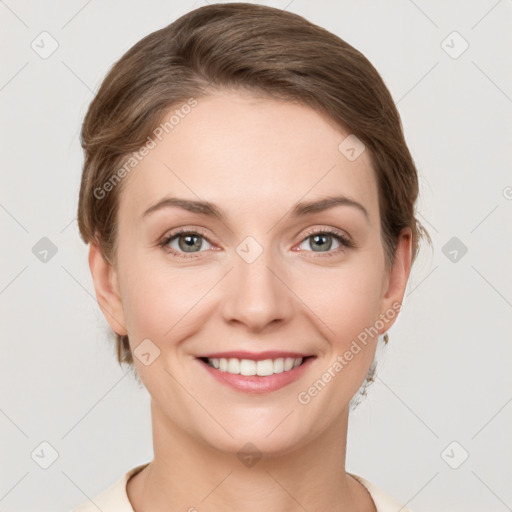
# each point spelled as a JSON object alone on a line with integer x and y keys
{"x": 255, "y": 356}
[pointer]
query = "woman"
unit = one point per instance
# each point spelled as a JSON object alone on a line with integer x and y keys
{"x": 249, "y": 198}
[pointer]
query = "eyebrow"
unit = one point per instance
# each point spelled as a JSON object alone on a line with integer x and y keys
{"x": 299, "y": 210}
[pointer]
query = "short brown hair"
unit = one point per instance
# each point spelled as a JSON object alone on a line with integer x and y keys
{"x": 266, "y": 51}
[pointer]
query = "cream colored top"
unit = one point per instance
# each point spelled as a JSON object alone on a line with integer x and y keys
{"x": 115, "y": 498}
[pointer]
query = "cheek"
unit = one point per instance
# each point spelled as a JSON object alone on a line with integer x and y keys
{"x": 358, "y": 309}
{"x": 347, "y": 300}
{"x": 163, "y": 302}
{"x": 159, "y": 301}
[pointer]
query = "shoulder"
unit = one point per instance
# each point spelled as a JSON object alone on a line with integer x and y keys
{"x": 113, "y": 499}
{"x": 383, "y": 501}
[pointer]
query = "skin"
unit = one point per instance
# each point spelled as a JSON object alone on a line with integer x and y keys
{"x": 254, "y": 158}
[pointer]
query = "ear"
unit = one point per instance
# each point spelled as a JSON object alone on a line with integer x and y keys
{"x": 396, "y": 279}
{"x": 106, "y": 286}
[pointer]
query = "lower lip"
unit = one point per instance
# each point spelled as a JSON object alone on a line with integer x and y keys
{"x": 256, "y": 383}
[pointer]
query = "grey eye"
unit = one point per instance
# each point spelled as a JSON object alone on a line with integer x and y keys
{"x": 187, "y": 242}
{"x": 322, "y": 241}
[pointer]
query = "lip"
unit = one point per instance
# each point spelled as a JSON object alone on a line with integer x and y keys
{"x": 257, "y": 384}
{"x": 255, "y": 356}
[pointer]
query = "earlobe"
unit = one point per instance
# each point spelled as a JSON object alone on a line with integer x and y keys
{"x": 398, "y": 276}
{"x": 107, "y": 289}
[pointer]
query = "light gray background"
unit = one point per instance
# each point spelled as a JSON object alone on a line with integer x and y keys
{"x": 445, "y": 375}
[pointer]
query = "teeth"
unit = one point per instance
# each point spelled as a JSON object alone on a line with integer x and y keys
{"x": 249, "y": 367}
{"x": 288, "y": 363}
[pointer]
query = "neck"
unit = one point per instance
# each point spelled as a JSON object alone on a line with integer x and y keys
{"x": 187, "y": 474}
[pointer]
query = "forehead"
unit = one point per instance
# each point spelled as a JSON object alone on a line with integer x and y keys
{"x": 244, "y": 153}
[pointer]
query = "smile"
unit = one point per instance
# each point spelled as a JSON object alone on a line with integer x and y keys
{"x": 262, "y": 368}
{"x": 256, "y": 373}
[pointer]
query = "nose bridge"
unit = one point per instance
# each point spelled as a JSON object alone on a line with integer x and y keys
{"x": 256, "y": 294}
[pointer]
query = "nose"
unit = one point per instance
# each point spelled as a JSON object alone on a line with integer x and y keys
{"x": 256, "y": 294}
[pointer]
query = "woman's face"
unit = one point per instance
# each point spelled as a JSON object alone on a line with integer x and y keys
{"x": 266, "y": 279}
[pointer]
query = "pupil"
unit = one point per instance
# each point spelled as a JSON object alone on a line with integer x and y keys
{"x": 323, "y": 246}
{"x": 189, "y": 242}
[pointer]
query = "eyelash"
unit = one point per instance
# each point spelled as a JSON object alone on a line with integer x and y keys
{"x": 344, "y": 241}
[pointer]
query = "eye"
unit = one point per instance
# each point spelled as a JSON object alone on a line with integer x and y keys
{"x": 323, "y": 240}
{"x": 185, "y": 241}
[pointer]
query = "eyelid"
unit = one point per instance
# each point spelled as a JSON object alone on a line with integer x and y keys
{"x": 167, "y": 238}
{"x": 347, "y": 239}
{"x": 343, "y": 239}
